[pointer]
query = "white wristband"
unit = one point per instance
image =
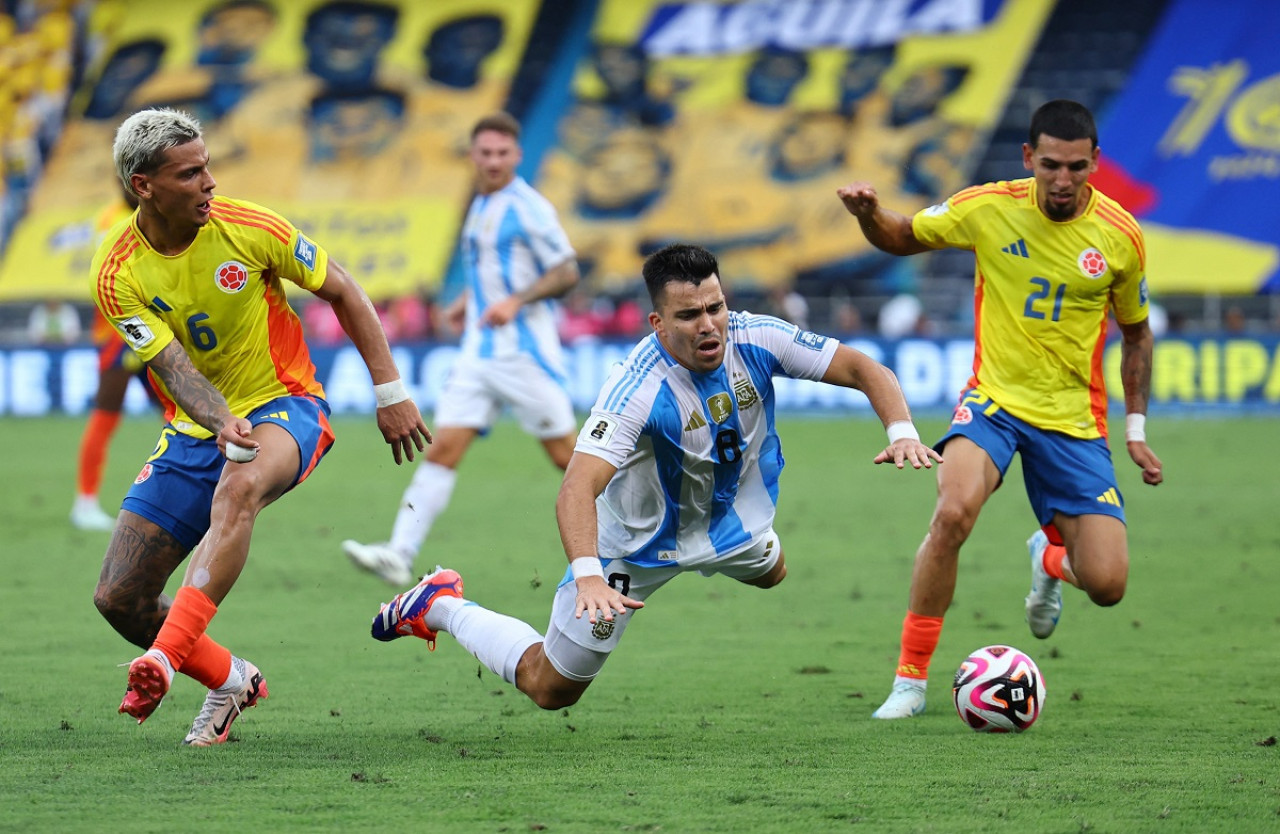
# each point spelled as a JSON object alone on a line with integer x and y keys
{"x": 1135, "y": 428}
{"x": 390, "y": 393}
{"x": 901, "y": 429}
{"x": 586, "y": 566}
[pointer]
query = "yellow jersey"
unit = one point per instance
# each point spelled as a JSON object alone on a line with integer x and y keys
{"x": 222, "y": 298}
{"x": 1041, "y": 297}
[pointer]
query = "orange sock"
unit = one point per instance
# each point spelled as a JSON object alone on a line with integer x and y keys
{"x": 1055, "y": 553}
{"x": 184, "y": 625}
{"x": 919, "y": 639}
{"x": 93, "y": 449}
{"x": 208, "y": 662}
{"x": 1054, "y": 556}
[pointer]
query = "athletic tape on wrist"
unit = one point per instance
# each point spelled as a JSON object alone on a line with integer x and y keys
{"x": 901, "y": 429}
{"x": 586, "y": 566}
{"x": 390, "y": 393}
{"x": 1135, "y": 428}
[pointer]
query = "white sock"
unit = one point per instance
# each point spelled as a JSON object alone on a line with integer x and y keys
{"x": 235, "y": 677}
{"x": 424, "y": 499}
{"x": 918, "y": 682}
{"x": 496, "y": 640}
{"x": 165, "y": 661}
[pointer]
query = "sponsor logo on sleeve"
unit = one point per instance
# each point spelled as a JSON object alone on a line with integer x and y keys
{"x": 937, "y": 209}
{"x": 231, "y": 277}
{"x": 601, "y": 431}
{"x": 812, "y": 341}
{"x": 1143, "y": 297}
{"x": 136, "y": 332}
{"x": 305, "y": 251}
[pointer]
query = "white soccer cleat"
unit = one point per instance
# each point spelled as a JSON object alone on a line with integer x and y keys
{"x": 87, "y": 515}
{"x": 382, "y": 560}
{"x": 1044, "y": 602}
{"x": 906, "y": 700}
{"x": 213, "y": 724}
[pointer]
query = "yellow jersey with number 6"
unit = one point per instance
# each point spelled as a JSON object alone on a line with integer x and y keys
{"x": 1042, "y": 293}
{"x": 222, "y": 298}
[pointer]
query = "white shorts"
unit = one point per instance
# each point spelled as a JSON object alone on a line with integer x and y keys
{"x": 578, "y": 649}
{"x": 477, "y": 389}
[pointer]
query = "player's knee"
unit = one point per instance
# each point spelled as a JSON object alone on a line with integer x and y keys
{"x": 952, "y": 522}
{"x": 554, "y": 699}
{"x": 121, "y": 614}
{"x": 770, "y": 579}
{"x": 1108, "y": 592}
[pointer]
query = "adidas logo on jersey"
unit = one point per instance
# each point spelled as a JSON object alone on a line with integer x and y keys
{"x": 696, "y": 421}
{"x": 1109, "y": 497}
{"x": 1018, "y": 247}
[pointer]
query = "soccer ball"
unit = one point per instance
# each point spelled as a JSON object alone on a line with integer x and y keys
{"x": 998, "y": 689}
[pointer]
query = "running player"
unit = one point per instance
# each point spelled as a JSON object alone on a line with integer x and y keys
{"x": 517, "y": 260}
{"x": 195, "y": 284}
{"x": 1054, "y": 255}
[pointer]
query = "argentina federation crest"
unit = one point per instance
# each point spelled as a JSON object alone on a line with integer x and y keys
{"x": 603, "y": 629}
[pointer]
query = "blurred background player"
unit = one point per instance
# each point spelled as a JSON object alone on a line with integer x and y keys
{"x": 676, "y": 470}
{"x": 517, "y": 258}
{"x": 1037, "y": 387}
{"x": 195, "y": 284}
{"x": 117, "y": 364}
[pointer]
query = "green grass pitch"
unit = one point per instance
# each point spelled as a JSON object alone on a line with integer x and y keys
{"x": 726, "y": 708}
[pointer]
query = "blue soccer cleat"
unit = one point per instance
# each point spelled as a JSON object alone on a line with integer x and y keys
{"x": 406, "y": 614}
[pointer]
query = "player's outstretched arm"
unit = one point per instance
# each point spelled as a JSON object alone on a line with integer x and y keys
{"x": 584, "y": 480}
{"x": 199, "y": 399}
{"x": 883, "y": 228}
{"x": 1137, "y": 347}
{"x": 399, "y": 420}
{"x": 854, "y": 369}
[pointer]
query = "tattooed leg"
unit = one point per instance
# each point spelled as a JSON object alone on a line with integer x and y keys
{"x": 130, "y": 592}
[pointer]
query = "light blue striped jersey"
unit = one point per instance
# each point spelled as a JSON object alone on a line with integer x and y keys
{"x": 697, "y": 454}
{"x": 509, "y": 240}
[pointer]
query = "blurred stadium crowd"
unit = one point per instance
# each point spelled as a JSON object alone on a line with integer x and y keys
{"x": 645, "y": 123}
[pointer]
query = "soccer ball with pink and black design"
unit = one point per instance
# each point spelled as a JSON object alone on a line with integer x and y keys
{"x": 998, "y": 689}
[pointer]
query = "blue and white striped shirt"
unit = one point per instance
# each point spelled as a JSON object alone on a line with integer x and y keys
{"x": 510, "y": 239}
{"x": 698, "y": 456}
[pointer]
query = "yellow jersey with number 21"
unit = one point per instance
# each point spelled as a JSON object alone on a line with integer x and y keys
{"x": 1041, "y": 297}
{"x": 222, "y": 298}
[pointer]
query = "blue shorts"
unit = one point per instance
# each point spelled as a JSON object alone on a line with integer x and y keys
{"x": 1062, "y": 474}
{"x": 175, "y": 487}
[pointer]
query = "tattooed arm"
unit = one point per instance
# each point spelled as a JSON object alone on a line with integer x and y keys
{"x": 197, "y": 396}
{"x": 1136, "y": 350}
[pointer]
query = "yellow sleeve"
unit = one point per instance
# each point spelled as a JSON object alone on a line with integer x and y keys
{"x": 116, "y": 295}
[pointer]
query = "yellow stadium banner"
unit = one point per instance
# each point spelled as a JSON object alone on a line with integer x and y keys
{"x": 732, "y": 124}
{"x": 350, "y": 119}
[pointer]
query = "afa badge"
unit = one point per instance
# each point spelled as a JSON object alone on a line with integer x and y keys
{"x": 231, "y": 277}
